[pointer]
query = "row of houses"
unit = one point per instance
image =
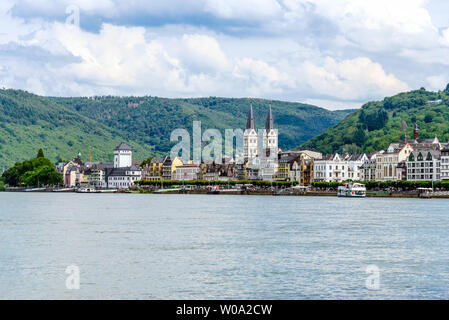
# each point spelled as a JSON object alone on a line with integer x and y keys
{"x": 415, "y": 160}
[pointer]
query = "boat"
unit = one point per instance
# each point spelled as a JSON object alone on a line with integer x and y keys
{"x": 64, "y": 190}
{"x": 86, "y": 190}
{"x": 35, "y": 189}
{"x": 352, "y": 190}
{"x": 425, "y": 193}
{"x": 107, "y": 190}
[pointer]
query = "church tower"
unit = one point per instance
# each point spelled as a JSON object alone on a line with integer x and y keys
{"x": 123, "y": 156}
{"x": 270, "y": 134}
{"x": 250, "y": 137}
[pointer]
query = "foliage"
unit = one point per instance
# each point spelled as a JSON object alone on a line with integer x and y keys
{"x": 40, "y": 153}
{"x": 67, "y": 126}
{"x": 382, "y": 123}
{"x": 152, "y": 119}
{"x": 35, "y": 172}
{"x": 2, "y": 184}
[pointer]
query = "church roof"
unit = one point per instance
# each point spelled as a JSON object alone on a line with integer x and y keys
{"x": 123, "y": 146}
{"x": 250, "y": 122}
{"x": 270, "y": 122}
{"x": 122, "y": 171}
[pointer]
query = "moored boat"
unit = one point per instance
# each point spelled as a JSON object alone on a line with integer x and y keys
{"x": 86, "y": 190}
{"x": 352, "y": 190}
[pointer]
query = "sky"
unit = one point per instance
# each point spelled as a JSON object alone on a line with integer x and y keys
{"x": 335, "y": 54}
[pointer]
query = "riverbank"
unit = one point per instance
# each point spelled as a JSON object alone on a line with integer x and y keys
{"x": 369, "y": 194}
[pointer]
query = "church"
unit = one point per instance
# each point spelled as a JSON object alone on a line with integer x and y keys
{"x": 260, "y": 147}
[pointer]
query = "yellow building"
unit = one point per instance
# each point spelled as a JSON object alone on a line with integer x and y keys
{"x": 387, "y": 162}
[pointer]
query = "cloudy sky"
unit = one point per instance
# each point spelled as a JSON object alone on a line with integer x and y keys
{"x": 332, "y": 53}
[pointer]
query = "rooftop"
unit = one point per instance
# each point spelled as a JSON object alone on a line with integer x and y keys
{"x": 123, "y": 147}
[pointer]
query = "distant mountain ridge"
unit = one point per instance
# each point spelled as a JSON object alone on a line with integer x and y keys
{"x": 379, "y": 123}
{"x": 65, "y": 126}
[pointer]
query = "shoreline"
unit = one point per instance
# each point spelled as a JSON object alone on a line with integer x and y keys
{"x": 369, "y": 194}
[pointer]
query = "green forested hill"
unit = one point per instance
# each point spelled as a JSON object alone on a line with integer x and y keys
{"x": 65, "y": 126}
{"x": 379, "y": 123}
{"x": 152, "y": 119}
{"x": 29, "y": 122}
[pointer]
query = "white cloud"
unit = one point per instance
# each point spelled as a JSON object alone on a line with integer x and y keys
{"x": 353, "y": 79}
{"x": 336, "y": 52}
{"x": 438, "y": 82}
{"x": 238, "y": 9}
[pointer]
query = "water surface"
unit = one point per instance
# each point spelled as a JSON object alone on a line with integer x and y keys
{"x": 221, "y": 247}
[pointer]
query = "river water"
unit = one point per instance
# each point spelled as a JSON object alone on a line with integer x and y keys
{"x": 132, "y": 246}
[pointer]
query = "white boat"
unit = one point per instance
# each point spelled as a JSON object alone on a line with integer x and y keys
{"x": 352, "y": 190}
{"x": 86, "y": 190}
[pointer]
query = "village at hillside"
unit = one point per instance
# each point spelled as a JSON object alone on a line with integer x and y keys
{"x": 417, "y": 160}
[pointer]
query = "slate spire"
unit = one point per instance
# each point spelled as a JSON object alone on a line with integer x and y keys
{"x": 270, "y": 122}
{"x": 250, "y": 122}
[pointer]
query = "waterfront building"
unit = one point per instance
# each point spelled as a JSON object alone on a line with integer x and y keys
{"x": 153, "y": 171}
{"x": 285, "y": 168}
{"x": 445, "y": 164}
{"x": 169, "y": 167}
{"x": 73, "y": 176}
{"x": 354, "y": 164}
{"x": 124, "y": 174}
{"x": 424, "y": 165}
{"x": 332, "y": 168}
{"x": 296, "y": 166}
{"x": 368, "y": 168}
{"x": 306, "y": 171}
{"x": 387, "y": 162}
{"x": 186, "y": 172}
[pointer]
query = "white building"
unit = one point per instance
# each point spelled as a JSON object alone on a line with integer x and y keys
{"x": 445, "y": 164}
{"x": 250, "y": 137}
{"x": 123, "y": 156}
{"x": 124, "y": 174}
{"x": 269, "y": 153}
{"x": 262, "y": 157}
{"x": 355, "y": 162}
{"x": 424, "y": 165}
{"x": 368, "y": 169}
{"x": 332, "y": 168}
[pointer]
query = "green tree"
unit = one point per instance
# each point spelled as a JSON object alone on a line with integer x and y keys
{"x": 40, "y": 153}
{"x": 428, "y": 118}
{"x": 359, "y": 136}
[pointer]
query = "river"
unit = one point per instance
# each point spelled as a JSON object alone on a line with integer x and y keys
{"x": 133, "y": 246}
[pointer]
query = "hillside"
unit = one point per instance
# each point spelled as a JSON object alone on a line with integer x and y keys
{"x": 65, "y": 126}
{"x": 29, "y": 122}
{"x": 379, "y": 123}
{"x": 152, "y": 119}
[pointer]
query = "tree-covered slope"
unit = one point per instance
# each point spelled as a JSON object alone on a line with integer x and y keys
{"x": 65, "y": 126}
{"x": 379, "y": 123}
{"x": 152, "y": 119}
{"x": 29, "y": 122}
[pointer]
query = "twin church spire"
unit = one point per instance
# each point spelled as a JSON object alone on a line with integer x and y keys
{"x": 269, "y": 137}
{"x": 269, "y": 124}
